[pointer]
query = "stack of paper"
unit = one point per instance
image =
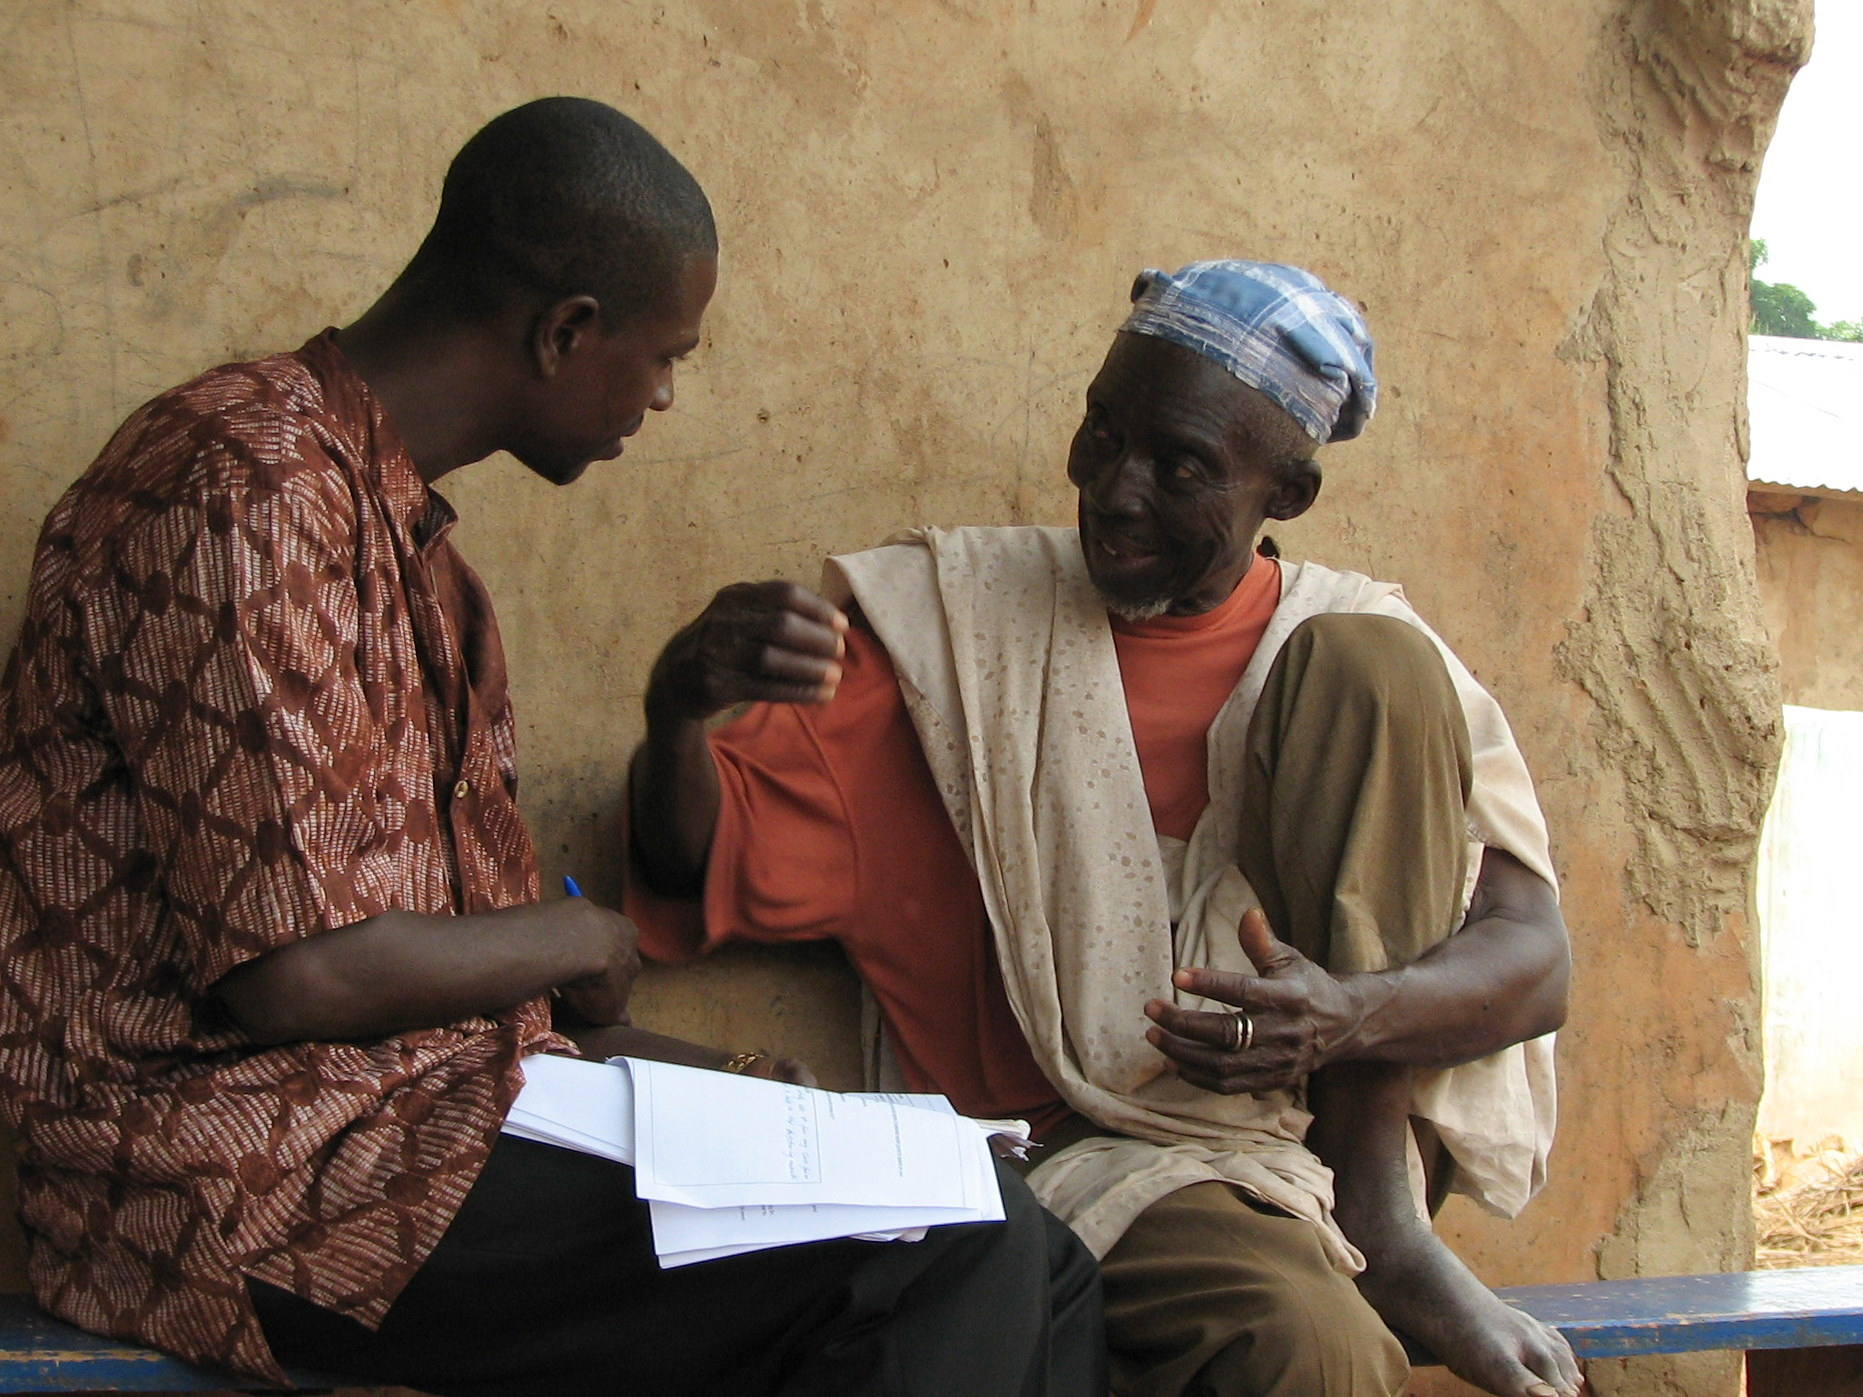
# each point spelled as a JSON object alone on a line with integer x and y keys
{"x": 731, "y": 1164}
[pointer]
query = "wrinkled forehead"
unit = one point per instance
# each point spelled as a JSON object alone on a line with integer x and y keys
{"x": 1144, "y": 377}
{"x": 1155, "y": 387}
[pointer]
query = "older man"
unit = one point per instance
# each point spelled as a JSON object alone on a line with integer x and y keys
{"x": 1063, "y": 776}
{"x": 273, "y": 950}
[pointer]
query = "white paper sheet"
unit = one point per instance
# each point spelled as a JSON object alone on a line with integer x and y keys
{"x": 586, "y": 1106}
{"x": 679, "y": 1229}
{"x": 712, "y": 1139}
{"x": 730, "y": 1164}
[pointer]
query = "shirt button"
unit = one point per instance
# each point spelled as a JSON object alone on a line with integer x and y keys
{"x": 462, "y": 790}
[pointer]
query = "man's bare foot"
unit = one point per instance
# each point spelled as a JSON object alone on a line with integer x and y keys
{"x": 1482, "y": 1340}
{"x": 1415, "y": 1283}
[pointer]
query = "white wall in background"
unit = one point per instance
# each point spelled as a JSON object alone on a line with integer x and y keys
{"x": 1810, "y": 893}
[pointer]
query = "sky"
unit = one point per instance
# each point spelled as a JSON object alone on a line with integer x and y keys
{"x": 1810, "y": 204}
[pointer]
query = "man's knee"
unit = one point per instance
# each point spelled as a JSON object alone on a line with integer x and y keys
{"x": 1077, "y": 1338}
{"x": 1378, "y": 656}
{"x": 1025, "y": 1292}
{"x": 1336, "y": 1349}
{"x": 1072, "y": 1271}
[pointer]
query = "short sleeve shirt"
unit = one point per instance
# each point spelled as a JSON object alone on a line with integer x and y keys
{"x": 830, "y": 827}
{"x": 257, "y": 696}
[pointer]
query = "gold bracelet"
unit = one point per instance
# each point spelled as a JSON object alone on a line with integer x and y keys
{"x": 742, "y": 1062}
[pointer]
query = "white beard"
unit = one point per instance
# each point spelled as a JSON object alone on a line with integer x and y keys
{"x": 1136, "y": 612}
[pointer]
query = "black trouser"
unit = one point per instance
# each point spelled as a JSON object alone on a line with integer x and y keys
{"x": 546, "y": 1283}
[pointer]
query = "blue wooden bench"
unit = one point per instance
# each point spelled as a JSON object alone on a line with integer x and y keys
{"x": 42, "y": 1354}
{"x": 1812, "y": 1307}
{"x": 1802, "y": 1331}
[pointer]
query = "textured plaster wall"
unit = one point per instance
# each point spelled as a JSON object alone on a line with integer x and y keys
{"x": 1811, "y": 584}
{"x": 930, "y": 216}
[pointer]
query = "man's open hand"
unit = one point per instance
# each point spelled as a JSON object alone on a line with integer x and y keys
{"x": 1302, "y": 1016}
{"x": 770, "y": 642}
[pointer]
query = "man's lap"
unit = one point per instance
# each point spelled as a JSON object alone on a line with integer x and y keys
{"x": 549, "y": 1255}
{"x": 547, "y": 1281}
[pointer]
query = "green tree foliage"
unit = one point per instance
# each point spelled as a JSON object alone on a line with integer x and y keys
{"x": 1782, "y": 309}
{"x": 1779, "y": 308}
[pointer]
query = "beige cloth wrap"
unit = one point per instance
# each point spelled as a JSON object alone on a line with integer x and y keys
{"x": 1006, "y": 663}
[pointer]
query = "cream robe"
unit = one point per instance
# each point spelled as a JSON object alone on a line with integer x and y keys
{"x": 1006, "y": 662}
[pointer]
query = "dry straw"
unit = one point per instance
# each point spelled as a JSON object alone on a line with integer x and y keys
{"x": 1812, "y": 1221}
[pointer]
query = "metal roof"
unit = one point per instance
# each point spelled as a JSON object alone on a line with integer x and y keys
{"x": 1805, "y": 409}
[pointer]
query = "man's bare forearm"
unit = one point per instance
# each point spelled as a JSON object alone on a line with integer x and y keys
{"x": 757, "y": 642}
{"x": 403, "y": 970}
{"x": 673, "y": 804}
{"x": 1500, "y": 980}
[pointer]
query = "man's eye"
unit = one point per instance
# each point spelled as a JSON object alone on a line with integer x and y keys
{"x": 1183, "y": 468}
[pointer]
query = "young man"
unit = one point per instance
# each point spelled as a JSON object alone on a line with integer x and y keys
{"x": 272, "y": 947}
{"x": 1048, "y": 783}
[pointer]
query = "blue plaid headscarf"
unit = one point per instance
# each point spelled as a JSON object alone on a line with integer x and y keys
{"x": 1276, "y": 328}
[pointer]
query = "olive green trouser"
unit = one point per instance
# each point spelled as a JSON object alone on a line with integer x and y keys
{"x": 1353, "y": 835}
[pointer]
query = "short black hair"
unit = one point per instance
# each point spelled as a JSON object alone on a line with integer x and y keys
{"x": 561, "y": 197}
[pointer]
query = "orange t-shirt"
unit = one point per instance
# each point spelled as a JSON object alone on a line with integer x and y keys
{"x": 1178, "y": 672}
{"x": 830, "y": 827}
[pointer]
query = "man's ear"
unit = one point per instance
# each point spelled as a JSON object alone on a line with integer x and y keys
{"x": 1294, "y": 493}
{"x": 560, "y": 330}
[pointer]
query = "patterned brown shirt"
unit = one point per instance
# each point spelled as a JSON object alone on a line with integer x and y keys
{"x": 257, "y": 696}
